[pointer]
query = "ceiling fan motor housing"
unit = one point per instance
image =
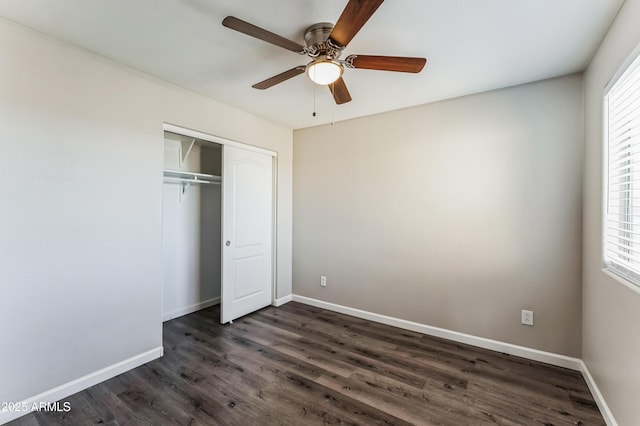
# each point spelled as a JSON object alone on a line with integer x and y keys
{"x": 317, "y": 42}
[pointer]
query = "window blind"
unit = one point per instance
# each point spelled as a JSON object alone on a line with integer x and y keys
{"x": 622, "y": 217}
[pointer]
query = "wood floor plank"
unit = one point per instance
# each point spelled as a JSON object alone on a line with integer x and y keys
{"x": 302, "y": 365}
{"x": 333, "y": 334}
{"x": 312, "y": 331}
{"x": 360, "y": 355}
{"x": 400, "y": 400}
{"x": 296, "y": 348}
{"x": 268, "y": 362}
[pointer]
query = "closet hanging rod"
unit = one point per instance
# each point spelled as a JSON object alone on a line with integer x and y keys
{"x": 190, "y": 177}
{"x": 183, "y": 174}
{"x": 190, "y": 181}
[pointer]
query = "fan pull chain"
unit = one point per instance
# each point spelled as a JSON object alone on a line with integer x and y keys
{"x": 333, "y": 104}
{"x": 314, "y": 99}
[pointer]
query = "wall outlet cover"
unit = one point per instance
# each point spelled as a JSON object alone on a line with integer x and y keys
{"x": 527, "y": 317}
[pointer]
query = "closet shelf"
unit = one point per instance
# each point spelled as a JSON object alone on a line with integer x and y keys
{"x": 190, "y": 177}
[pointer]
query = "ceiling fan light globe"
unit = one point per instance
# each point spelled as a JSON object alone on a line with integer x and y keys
{"x": 324, "y": 72}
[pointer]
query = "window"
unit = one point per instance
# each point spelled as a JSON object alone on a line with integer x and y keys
{"x": 622, "y": 210}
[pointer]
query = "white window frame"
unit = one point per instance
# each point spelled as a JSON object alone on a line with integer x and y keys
{"x": 625, "y": 274}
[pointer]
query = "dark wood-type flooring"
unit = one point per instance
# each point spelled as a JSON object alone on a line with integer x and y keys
{"x": 300, "y": 365}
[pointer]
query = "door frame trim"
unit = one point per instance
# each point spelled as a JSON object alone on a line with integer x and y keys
{"x": 184, "y": 131}
{"x": 215, "y": 139}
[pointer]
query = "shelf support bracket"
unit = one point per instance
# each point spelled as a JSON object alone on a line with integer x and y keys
{"x": 185, "y": 149}
{"x": 183, "y": 193}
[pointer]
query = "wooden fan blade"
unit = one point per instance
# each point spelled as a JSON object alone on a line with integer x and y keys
{"x": 354, "y": 16}
{"x": 387, "y": 63}
{"x": 261, "y": 34}
{"x": 339, "y": 91}
{"x": 276, "y": 79}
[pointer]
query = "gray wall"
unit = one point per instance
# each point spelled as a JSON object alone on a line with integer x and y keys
{"x": 456, "y": 214}
{"x": 80, "y": 223}
{"x": 611, "y": 311}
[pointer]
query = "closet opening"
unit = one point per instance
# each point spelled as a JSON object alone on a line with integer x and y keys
{"x": 192, "y": 225}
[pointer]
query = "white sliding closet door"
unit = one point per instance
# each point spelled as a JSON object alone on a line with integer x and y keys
{"x": 247, "y": 187}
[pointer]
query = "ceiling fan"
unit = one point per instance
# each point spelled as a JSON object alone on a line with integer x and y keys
{"x": 324, "y": 43}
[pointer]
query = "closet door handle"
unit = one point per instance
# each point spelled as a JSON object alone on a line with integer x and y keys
{"x": 228, "y": 243}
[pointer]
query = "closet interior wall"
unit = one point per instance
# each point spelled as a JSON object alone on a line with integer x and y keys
{"x": 191, "y": 228}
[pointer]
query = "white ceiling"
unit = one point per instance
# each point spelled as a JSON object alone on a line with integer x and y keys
{"x": 471, "y": 46}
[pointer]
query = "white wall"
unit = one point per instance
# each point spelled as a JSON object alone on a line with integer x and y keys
{"x": 456, "y": 214}
{"x": 80, "y": 221}
{"x": 191, "y": 233}
{"x": 611, "y": 311}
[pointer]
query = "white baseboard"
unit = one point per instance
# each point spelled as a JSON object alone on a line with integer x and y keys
{"x": 597, "y": 395}
{"x": 495, "y": 345}
{"x": 282, "y": 300}
{"x": 85, "y": 382}
{"x": 190, "y": 309}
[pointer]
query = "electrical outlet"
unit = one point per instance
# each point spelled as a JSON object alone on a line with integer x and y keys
{"x": 323, "y": 281}
{"x": 527, "y": 317}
